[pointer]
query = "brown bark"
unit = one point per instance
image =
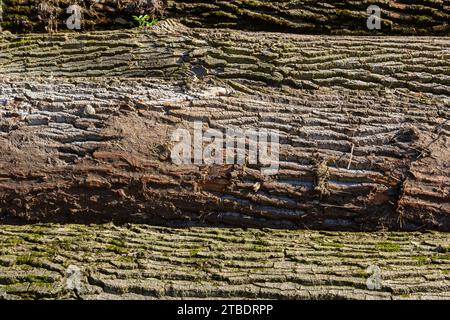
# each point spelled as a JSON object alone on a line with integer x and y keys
{"x": 317, "y": 17}
{"x": 308, "y": 16}
{"x": 364, "y": 126}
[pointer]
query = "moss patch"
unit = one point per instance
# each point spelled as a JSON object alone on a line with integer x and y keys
{"x": 387, "y": 246}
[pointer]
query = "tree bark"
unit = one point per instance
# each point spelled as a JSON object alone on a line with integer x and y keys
{"x": 404, "y": 17}
{"x": 87, "y": 119}
{"x": 316, "y": 17}
{"x": 145, "y": 262}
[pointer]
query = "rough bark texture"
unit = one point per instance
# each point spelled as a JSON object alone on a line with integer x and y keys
{"x": 311, "y": 16}
{"x": 420, "y": 17}
{"x": 363, "y": 121}
{"x": 51, "y": 15}
{"x": 142, "y": 262}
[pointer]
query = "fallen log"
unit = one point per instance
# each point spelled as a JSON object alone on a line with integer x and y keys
{"x": 87, "y": 123}
{"x": 316, "y": 17}
{"x": 145, "y": 262}
{"x": 308, "y": 16}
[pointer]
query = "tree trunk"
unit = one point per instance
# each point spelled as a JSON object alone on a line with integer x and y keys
{"x": 144, "y": 262}
{"x": 87, "y": 120}
{"x": 308, "y": 16}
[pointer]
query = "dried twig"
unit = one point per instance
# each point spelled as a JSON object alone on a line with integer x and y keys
{"x": 351, "y": 156}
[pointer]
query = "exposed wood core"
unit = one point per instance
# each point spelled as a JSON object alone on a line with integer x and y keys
{"x": 142, "y": 262}
{"x": 86, "y": 124}
{"x": 407, "y": 17}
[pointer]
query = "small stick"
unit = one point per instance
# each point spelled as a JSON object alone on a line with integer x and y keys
{"x": 351, "y": 156}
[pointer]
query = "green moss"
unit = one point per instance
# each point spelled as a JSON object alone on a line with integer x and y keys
{"x": 262, "y": 242}
{"x": 361, "y": 273}
{"x": 127, "y": 259}
{"x": 117, "y": 242}
{"x": 442, "y": 256}
{"x": 387, "y": 246}
{"x": 194, "y": 252}
{"x": 13, "y": 241}
{"x": 33, "y": 238}
{"x": 332, "y": 244}
{"x": 116, "y": 249}
{"x": 23, "y": 259}
{"x": 40, "y": 280}
{"x": 33, "y": 259}
{"x": 51, "y": 249}
{"x": 446, "y": 271}
{"x": 117, "y": 245}
{"x": 219, "y": 14}
{"x": 421, "y": 259}
{"x": 66, "y": 244}
{"x": 396, "y": 237}
{"x": 21, "y": 42}
{"x": 423, "y": 20}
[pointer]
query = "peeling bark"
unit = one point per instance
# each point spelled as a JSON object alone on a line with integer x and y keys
{"x": 86, "y": 126}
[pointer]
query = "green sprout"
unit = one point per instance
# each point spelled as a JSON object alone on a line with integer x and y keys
{"x": 142, "y": 20}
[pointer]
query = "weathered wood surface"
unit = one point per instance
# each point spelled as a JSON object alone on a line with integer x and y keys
{"x": 52, "y": 15}
{"x": 142, "y": 262}
{"x": 307, "y": 16}
{"x": 363, "y": 121}
{"x": 319, "y": 17}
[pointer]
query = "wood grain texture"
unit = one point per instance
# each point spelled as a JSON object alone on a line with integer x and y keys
{"x": 371, "y": 112}
{"x": 143, "y": 262}
{"x": 406, "y": 17}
